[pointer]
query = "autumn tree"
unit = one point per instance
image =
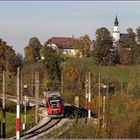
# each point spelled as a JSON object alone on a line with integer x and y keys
{"x": 138, "y": 42}
{"x": 132, "y": 45}
{"x": 125, "y": 54}
{"x": 83, "y": 45}
{"x": 8, "y": 57}
{"x": 80, "y": 46}
{"x": 31, "y": 51}
{"x": 129, "y": 50}
{"x": 103, "y": 46}
{"x": 42, "y": 52}
{"x": 87, "y": 43}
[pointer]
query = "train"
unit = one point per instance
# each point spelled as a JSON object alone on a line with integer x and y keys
{"x": 54, "y": 104}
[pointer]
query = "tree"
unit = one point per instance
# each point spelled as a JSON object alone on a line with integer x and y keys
{"x": 42, "y": 52}
{"x": 52, "y": 62}
{"x": 83, "y": 45}
{"x": 138, "y": 43}
{"x": 31, "y": 51}
{"x": 8, "y": 57}
{"x": 87, "y": 43}
{"x": 129, "y": 49}
{"x": 132, "y": 45}
{"x": 19, "y": 59}
{"x": 138, "y": 35}
{"x": 131, "y": 37}
{"x": 80, "y": 46}
{"x": 103, "y": 46}
{"x": 125, "y": 54}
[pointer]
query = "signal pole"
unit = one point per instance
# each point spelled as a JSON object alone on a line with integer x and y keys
{"x": 86, "y": 94}
{"x": 89, "y": 98}
{"x": 3, "y": 109}
{"x": 21, "y": 90}
{"x": 99, "y": 92}
{"x": 18, "y": 106}
{"x": 36, "y": 96}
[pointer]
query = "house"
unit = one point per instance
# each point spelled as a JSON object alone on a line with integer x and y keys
{"x": 66, "y": 45}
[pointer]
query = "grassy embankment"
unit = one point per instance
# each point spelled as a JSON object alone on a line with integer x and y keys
{"x": 124, "y": 78}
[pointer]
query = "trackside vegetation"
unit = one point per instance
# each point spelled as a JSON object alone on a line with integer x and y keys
{"x": 11, "y": 119}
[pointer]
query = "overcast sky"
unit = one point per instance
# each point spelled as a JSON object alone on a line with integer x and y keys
{"x": 19, "y": 21}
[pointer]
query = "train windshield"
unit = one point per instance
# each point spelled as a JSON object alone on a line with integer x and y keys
{"x": 54, "y": 103}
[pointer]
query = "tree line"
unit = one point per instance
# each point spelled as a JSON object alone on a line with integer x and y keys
{"x": 101, "y": 49}
{"x": 126, "y": 51}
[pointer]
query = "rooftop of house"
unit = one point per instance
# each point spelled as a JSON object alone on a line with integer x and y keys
{"x": 63, "y": 42}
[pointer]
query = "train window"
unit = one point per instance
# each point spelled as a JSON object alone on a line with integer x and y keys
{"x": 54, "y": 103}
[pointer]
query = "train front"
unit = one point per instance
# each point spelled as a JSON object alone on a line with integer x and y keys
{"x": 55, "y": 107}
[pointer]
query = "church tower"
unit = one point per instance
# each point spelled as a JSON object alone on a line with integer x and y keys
{"x": 116, "y": 32}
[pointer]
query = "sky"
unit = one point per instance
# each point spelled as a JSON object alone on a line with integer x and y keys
{"x": 22, "y": 20}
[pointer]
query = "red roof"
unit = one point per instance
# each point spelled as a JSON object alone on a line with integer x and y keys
{"x": 64, "y": 42}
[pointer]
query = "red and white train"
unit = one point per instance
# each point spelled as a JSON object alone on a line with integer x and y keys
{"x": 54, "y": 104}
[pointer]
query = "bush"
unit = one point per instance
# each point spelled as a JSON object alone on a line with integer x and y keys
{"x": 10, "y": 106}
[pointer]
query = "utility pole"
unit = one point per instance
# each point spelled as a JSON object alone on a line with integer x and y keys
{"x": 89, "y": 98}
{"x": 62, "y": 83}
{"x": 36, "y": 96}
{"x": 121, "y": 87}
{"x": 3, "y": 105}
{"x": 32, "y": 84}
{"x": 104, "y": 112}
{"x": 18, "y": 106}
{"x": 99, "y": 94}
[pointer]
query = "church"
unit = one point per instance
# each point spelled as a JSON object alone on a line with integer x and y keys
{"x": 117, "y": 36}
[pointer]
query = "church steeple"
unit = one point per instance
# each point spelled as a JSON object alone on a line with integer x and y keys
{"x": 116, "y": 32}
{"x": 116, "y": 23}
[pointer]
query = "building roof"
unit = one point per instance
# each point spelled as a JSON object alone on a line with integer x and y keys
{"x": 63, "y": 42}
{"x": 123, "y": 37}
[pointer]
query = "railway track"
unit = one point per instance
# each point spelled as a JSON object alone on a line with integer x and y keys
{"x": 33, "y": 134}
{"x": 40, "y": 130}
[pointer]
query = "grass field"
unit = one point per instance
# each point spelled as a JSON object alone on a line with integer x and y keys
{"x": 117, "y": 72}
{"x": 11, "y": 122}
{"x": 117, "y": 75}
